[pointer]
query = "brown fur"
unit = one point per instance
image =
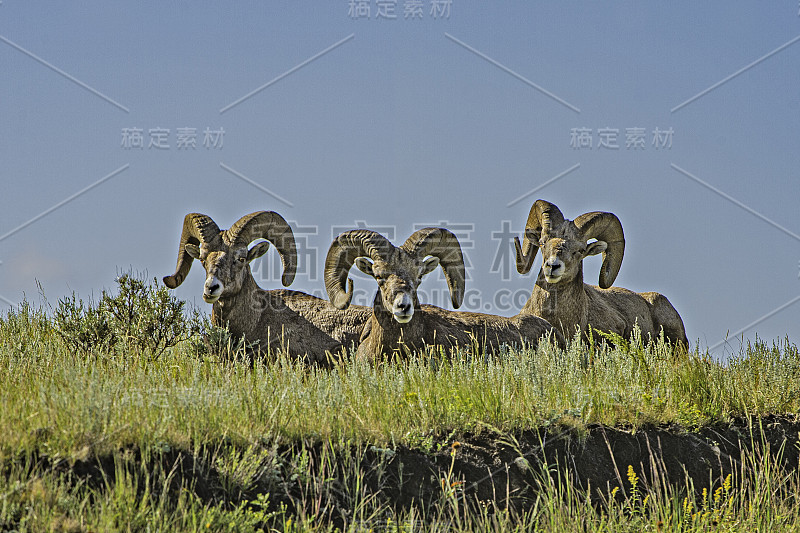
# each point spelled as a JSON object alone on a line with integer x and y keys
{"x": 570, "y": 304}
{"x": 305, "y": 326}
{"x": 398, "y": 273}
{"x": 434, "y": 326}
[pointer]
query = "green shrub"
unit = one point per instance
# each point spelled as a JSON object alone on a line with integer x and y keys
{"x": 143, "y": 316}
{"x": 84, "y": 326}
{"x": 214, "y": 342}
{"x": 147, "y": 315}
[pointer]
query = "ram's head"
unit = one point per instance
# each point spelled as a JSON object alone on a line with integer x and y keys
{"x": 564, "y": 243}
{"x": 226, "y": 255}
{"x": 397, "y": 270}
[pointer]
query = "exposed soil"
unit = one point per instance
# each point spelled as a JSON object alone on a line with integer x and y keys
{"x": 321, "y": 478}
{"x": 496, "y": 468}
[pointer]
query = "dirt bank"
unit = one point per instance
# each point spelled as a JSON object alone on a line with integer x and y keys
{"x": 328, "y": 480}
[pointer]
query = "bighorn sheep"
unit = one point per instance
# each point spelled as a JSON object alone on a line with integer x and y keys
{"x": 560, "y": 295}
{"x": 305, "y": 325}
{"x": 398, "y": 320}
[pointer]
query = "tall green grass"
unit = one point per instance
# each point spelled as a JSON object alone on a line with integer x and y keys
{"x": 55, "y": 395}
{"x": 136, "y": 372}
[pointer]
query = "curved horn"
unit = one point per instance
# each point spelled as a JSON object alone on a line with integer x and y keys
{"x": 604, "y": 227}
{"x": 443, "y": 244}
{"x": 542, "y": 218}
{"x": 271, "y": 226}
{"x": 342, "y": 254}
{"x": 197, "y": 229}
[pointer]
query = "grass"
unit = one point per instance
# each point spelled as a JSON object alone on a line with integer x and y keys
{"x": 95, "y": 433}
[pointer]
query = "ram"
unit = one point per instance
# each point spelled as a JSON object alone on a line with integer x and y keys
{"x": 398, "y": 319}
{"x": 306, "y": 326}
{"x": 560, "y": 295}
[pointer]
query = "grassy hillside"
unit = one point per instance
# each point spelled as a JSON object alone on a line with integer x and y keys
{"x": 132, "y": 414}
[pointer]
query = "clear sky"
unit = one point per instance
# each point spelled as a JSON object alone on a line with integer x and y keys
{"x": 682, "y": 118}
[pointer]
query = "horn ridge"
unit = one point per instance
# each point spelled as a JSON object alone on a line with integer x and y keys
{"x": 605, "y": 227}
{"x": 273, "y": 227}
{"x": 542, "y": 219}
{"x": 341, "y": 256}
{"x": 197, "y": 229}
{"x": 443, "y": 244}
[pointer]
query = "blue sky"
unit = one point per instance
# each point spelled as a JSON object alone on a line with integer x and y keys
{"x": 463, "y": 119}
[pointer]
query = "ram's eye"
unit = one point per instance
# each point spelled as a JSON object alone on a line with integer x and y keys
{"x": 241, "y": 259}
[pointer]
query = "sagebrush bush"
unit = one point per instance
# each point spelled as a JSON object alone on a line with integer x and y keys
{"x": 142, "y": 316}
{"x": 218, "y": 343}
{"x": 84, "y": 326}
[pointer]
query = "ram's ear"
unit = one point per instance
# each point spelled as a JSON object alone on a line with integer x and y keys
{"x": 257, "y": 251}
{"x": 428, "y": 266}
{"x": 193, "y": 250}
{"x": 364, "y": 265}
{"x": 596, "y": 247}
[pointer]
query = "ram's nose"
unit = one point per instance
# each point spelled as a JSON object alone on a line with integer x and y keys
{"x": 212, "y": 290}
{"x": 553, "y": 270}
{"x": 403, "y": 308}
